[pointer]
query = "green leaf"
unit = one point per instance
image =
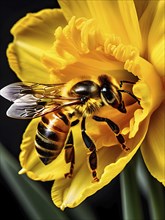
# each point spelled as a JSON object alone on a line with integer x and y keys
{"x": 152, "y": 189}
{"x": 135, "y": 181}
{"x": 31, "y": 196}
{"x": 130, "y": 195}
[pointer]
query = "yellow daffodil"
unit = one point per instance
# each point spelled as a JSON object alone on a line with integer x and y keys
{"x": 124, "y": 39}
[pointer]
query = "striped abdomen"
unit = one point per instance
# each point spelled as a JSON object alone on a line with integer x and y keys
{"x": 51, "y": 134}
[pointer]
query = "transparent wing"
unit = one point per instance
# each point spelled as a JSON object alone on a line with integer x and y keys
{"x": 17, "y": 90}
{"x": 31, "y": 100}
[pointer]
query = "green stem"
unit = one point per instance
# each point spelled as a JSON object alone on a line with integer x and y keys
{"x": 130, "y": 196}
{"x": 152, "y": 190}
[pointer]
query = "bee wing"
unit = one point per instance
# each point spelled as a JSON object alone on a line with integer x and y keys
{"x": 33, "y": 100}
{"x": 27, "y": 107}
{"x": 17, "y": 90}
{"x": 34, "y": 109}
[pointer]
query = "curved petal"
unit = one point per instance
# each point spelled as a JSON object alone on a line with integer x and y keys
{"x": 33, "y": 34}
{"x": 149, "y": 99}
{"x": 119, "y": 18}
{"x": 75, "y": 8}
{"x": 122, "y": 13}
{"x": 156, "y": 39}
{"x": 72, "y": 192}
{"x": 153, "y": 148}
{"x": 145, "y": 25}
{"x": 157, "y": 57}
{"x": 79, "y": 50}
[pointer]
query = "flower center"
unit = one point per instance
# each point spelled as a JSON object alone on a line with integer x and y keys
{"x": 81, "y": 49}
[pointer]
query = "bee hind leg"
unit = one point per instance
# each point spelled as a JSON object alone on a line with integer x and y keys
{"x": 69, "y": 150}
{"x": 92, "y": 154}
{"x": 69, "y": 155}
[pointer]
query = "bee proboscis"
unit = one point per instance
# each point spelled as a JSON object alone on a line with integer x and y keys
{"x": 62, "y": 106}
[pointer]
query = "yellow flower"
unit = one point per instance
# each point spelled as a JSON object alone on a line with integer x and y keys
{"x": 124, "y": 39}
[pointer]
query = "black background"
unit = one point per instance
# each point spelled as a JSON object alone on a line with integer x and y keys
{"x": 105, "y": 202}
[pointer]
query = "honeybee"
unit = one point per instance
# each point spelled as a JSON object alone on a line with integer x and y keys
{"x": 62, "y": 106}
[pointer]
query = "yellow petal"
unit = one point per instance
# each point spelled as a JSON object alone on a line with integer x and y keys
{"x": 152, "y": 25}
{"x": 149, "y": 99}
{"x": 113, "y": 17}
{"x": 33, "y": 34}
{"x": 153, "y": 148}
{"x": 75, "y": 8}
{"x": 81, "y": 49}
{"x": 78, "y": 50}
{"x": 156, "y": 39}
{"x": 111, "y": 161}
{"x": 158, "y": 56}
{"x": 119, "y": 18}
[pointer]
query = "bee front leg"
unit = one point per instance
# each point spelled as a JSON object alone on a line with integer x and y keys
{"x": 92, "y": 154}
{"x": 69, "y": 155}
{"x": 131, "y": 94}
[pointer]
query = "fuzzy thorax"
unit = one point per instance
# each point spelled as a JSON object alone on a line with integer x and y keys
{"x": 89, "y": 107}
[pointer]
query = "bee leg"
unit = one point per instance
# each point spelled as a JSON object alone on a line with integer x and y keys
{"x": 131, "y": 94}
{"x": 74, "y": 122}
{"x": 69, "y": 154}
{"x": 92, "y": 154}
{"x": 69, "y": 151}
{"x": 125, "y": 81}
{"x": 121, "y": 106}
{"x": 128, "y": 92}
{"x": 115, "y": 128}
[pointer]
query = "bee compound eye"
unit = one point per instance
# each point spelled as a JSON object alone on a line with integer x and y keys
{"x": 107, "y": 96}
